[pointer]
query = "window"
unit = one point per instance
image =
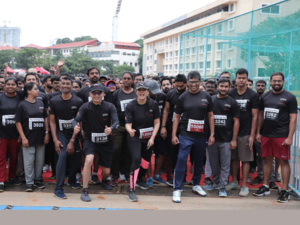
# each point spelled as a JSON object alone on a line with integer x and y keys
{"x": 218, "y": 64}
{"x": 150, "y": 57}
{"x": 229, "y": 63}
{"x": 135, "y": 64}
{"x": 230, "y": 46}
{"x": 231, "y": 25}
{"x": 209, "y": 48}
{"x": 187, "y": 51}
{"x": 274, "y": 9}
{"x": 176, "y": 39}
{"x": 194, "y": 50}
{"x": 170, "y": 67}
{"x": 201, "y": 49}
{"x": 176, "y": 66}
{"x": 171, "y": 54}
{"x": 219, "y": 28}
{"x": 219, "y": 46}
{"x": 201, "y": 65}
{"x": 167, "y": 42}
{"x": 167, "y": 54}
{"x": 207, "y": 65}
{"x": 155, "y": 61}
{"x": 166, "y": 67}
{"x": 171, "y": 41}
{"x": 193, "y": 66}
{"x": 133, "y": 54}
{"x": 147, "y": 68}
{"x": 208, "y": 30}
{"x": 130, "y": 63}
{"x": 176, "y": 53}
{"x": 231, "y": 7}
{"x": 187, "y": 66}
{"x": 147, "y": 57}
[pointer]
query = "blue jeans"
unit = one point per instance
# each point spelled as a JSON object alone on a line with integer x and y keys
{"x": 185, "y": 146}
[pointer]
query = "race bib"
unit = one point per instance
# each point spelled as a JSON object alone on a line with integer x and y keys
{"x": 195, "y": 126}
{"x": 8, "y": 120}
{"x": 220, "y": 120}
{"x": 146, "y": 133}
{"x": 124, "y": 103}
{"x": 243, "y": 104}
{"x": 271, "y": 114}
{"x": 36, "y": 123}
{"x": 99, "y": 138}
{"x": 65, "y": 124}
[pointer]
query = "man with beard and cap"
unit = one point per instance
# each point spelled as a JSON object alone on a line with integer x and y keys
{"x": 226, "y": 115}
{"x": 275, "y": 130}
{"x": 166, "y": 84}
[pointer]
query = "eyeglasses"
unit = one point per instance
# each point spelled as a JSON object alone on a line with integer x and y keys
{"x": 97, "y": 93}
{"x": 111, "y": 85}
{"x": 277, "y": 81}
{"x": 126, "y": 78}
{"x": 35, "y": 89}
{"x": 76, "y": 87}
{"x": 66, "y": 84}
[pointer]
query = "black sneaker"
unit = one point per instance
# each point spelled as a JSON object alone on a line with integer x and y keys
{"x": 106, "y": 185}
{"x": 132, "y": 196}
{"x": 39, "y": 184}
{"x": 85, "y": 195}
{"x": 170, "y": 182}
{"x": 1, "y": 187}
{"x": 257, "y": 180}
{"x": 253, "y": 170}
{"x": 141, "y": 184}
{"x": 207, "y": 180}
{"x": 29, "y": 188}
{"x": 273, "y": 185}
{"x": 95, "y": 179}
{"x": 15, "y": 181}
{"x": 284, "y": 196}
{"x": 263, "y": 190}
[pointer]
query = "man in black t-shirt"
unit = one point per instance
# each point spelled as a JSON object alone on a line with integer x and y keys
{"x": 277, "y": 118}
{"x": 63, "y": 109}
{"x": 248, "y": 102}
{"x": 196, "y": 129}
{"x": 97, "y": 116}
{"x": 226, "y": 114}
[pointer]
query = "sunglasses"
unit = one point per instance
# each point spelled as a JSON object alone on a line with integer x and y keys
{"x": 111, "y": 85}
{"x": 97, "y": 93}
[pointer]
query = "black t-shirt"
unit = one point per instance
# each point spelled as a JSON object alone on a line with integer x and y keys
{"x": 84, "y": 94}
{"x": 56, "y": 93}
{"x": 31, "y": 116}
{"x": 65, "y": 111}
{"x": 41, "y": 89}
{"x": 120, "y": 99}
{"x": 247, "y": 101}
{"x": 142, "y": 118}
{"x": 160, "y": 99}
{"x": 44, "y": 98}
{"x": 8, "y": 107}
{"x": 194, "y": 109}
{"x": 225, "y": 109}
{"x": 96, "y": 117}
{"x": 277, "y": 109}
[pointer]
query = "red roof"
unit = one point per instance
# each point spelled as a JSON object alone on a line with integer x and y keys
{"x": 32, "y": 46}
{"x": 8, "y": 48}
{"x": 126, "y": 43}
{"x": 74, "y": 44}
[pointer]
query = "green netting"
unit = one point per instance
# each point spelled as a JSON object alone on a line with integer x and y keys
{"x": 263, "y": 41}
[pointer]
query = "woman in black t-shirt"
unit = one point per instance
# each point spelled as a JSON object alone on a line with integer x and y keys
{"x": 8, "y": 132}
{"x": 142, "y": 123}
{"x": 32, "y": 124}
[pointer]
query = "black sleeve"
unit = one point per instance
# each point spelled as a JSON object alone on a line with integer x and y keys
{"x": 210, "y": 105}
{"x": 261, "y": 104}
{"x": 45, "y": 101}
{"x": 156, "y": 113}
{"x": 255, "y": 101}
{"x": 293, "y": 105}
{"x": 45, "y": 112}
{"x": 52, "y": 109}
{"x": 129, "y": 113}
{"x": 114, "y": 98}
{"x": 19, "y": 113}
{"x": 41, "y": 89}
{"x": 81, "y": 113}
{"x": 179, "y": 106}
{"x": 108, "y": 96}
{"x": 115, "y": 123}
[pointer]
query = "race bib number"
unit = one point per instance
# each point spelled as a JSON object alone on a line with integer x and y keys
{"x": 271, "y": 114}
{"x": 65, "y": 124}
{"x": 220, "y": 120}
{"x": 99, "y": 138}
{"x": 8, "y": 120}
{"x": 195, "y": 126}
{"x": 243, "y": 104}
{"x": 124, "y": 103}
{"x": 146, "y": 133}
{"x": 36, "y": 123}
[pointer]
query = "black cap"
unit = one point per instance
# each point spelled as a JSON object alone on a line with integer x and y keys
{"x": 97, "y": 87}
{"x": 141, "y": 84}
{"x": 103, "y": 76}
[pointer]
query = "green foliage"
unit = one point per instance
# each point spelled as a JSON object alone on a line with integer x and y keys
{"x": 63, "y": 41}
{"x": 7, "y": 56}
{"x": 83, "y": 38}
{"x": 119, "y": 70}
{"x": 30, "y": 57}
{"x": 140, "y": 42}
{"x": 107, "y": 67}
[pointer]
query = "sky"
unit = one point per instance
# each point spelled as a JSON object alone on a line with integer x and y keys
{"x": 42, "y": 21}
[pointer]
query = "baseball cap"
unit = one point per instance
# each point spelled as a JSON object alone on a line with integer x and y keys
{"x": 153, "y": 86}
{"x": 110, "y": 81}
{"x": 97, "y": 87}
{"x": 103, "y": 76}
{"x": 141, "y": 84}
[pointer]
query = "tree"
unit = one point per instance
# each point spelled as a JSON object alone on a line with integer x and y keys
{"x": 140, "y": 42}
{"x": 7, "y": 56}
{"x": 119, "y": 70}
{"x": 63, "y": 41}
{"x": 29, "y": 57}
{"x": 107, "y": 67}
{"x": 84, "y": 38}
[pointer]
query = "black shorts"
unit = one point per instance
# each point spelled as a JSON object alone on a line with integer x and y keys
{"x": 160, "y": 145}
{"x": 105, "y": 152}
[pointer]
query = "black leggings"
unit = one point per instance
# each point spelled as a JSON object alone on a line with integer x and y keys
{"x": 140, "y": 159}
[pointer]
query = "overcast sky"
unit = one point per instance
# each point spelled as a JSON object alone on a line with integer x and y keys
{"x": 42, "y": 21}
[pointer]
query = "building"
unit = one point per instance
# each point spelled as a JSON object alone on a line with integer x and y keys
{"x": 119, "y": 53}
{"x": 10, "y": 36}
{"x": 161, "y": 44}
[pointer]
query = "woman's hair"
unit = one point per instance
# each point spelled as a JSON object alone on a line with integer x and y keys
{"x": 78, "y": 82}
{"x": 13, "y": 79}
{"x": 128, "y": 73}
{"x": 28, "y": 87}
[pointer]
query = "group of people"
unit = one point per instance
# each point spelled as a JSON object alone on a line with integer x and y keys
{"x": 76, "y": 124}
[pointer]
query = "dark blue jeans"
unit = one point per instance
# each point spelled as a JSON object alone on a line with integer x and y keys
{"x": 185, "y": 146}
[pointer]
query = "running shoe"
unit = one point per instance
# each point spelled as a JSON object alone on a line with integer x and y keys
{"x": 59, "y": 194}
{"x": 284, "y": 196}
{"x": 198, "y": 190}
{"x": 273, "y": 185}
{"x": 249, "y": 179}
{"x": 207, "y": 180}
{"x": 15, "y": 181}
{"x": 45, "y": 168}
{"x": 113, "y": 182}
{"x": 158, "y": 180}
{"x": 85, "y": 195}
{"x": 149, "y": 182}
{"x": 212, "y": 187}
{"x": 132, "y": 196}
{"x": 176, "y": 196}
{"x": 105, "y": 184}
{"x": 79, "y": 178}
{"x": 170, "y": 182}
{"x": 191, "y": 182}
{"x": 1, "y": 187}
{"x": 257, "y": 180}
{"x": 109, "y": 178}
{"x": 73, "y": 185}
{"x": 141, "y": 184}
{"x": 95, "y": 179}
{"x": 232, "y": 185}
{"x": 52, "y": 177}
{"x": 122, "y": 177}
{"x": 39, "y": 184}
{"x": 244, "y": 191}
{"x": 263, "y": 190}
{"x": 29, "y": 188}
{"x": 222, "y": 192}
{"x": 277, "y": 177}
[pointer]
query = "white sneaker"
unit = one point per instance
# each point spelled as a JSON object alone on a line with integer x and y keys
{"x": 176, "y": 196}
{"x": 109, "y": 178}
{"x": 45, "y": 168}
{"x": 122, "y": 177}
{"x": 198, "y": 190}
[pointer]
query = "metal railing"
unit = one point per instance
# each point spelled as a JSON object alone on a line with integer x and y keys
{"x": 294, "y": 183}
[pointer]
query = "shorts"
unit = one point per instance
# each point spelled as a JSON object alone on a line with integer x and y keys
{"x": 242, "y": 151}
{"x": 273, "y": 147}
{"x": 105, "y": 152}
{"x": 160, "y": 145}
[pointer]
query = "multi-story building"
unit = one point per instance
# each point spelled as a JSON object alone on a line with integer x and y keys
{"x": 10, "y": 36}
{"x": 162, "y": 44}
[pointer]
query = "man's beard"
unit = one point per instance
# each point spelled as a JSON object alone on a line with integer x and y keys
{"x": 260, "y": 91}
{"x": 277, "y": 89}
{"x": 49, "y": 87}
{"x": 221, "y": 94}
{"x": 180, "y": 91}
{"x": 166, "y": 90}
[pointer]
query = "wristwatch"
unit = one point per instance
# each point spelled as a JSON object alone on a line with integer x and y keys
{"x": 212, "y": 135}
{"x": 72, "y": 140}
